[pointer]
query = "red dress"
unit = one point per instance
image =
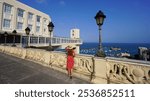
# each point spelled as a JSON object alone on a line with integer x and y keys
{"x": 70, "y": 58}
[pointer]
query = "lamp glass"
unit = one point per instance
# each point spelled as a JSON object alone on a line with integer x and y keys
{"x": 14, "y": 32}
{"x": 50, "y": 26}
{"x": 100, "y": 18}
{"x": 100, "y": 21}
{"x": 27, "y": 30}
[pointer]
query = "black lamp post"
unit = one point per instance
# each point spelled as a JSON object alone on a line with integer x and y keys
{"x": 5, "y": 35}
{"x": 99, "y": 20}
{"x": 27, "y": 30}
{"x": 14, "y": 33}
{"x": 50, "y": 29}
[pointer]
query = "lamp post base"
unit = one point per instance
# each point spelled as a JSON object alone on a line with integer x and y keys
{"x": 100, "y": 53}
{"x": 13, "y": 45}
{"x": 50, "y": 48}
{"x": 5, "y": 44}
{"x": 27, "y": 47}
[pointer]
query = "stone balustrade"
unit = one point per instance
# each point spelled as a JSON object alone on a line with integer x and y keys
{"x": 88, "y": 67}
{"x": 125, "y": 71}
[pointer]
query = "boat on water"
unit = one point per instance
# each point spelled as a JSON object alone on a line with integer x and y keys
{"x": 115, "y": 48}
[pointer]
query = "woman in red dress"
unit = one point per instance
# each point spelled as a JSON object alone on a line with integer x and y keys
{"x": 70, "y": 60}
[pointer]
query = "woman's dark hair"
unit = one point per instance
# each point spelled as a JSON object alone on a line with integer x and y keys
{"x": 74, "y": 48}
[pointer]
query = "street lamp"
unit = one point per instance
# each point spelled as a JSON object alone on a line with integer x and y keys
{"x": 5, "y": 35}
{"x": 99, "y": 20}
{"x": 14, "y": 33}
{"x": 50, "y": 29}
{"x": 27, "y": 30}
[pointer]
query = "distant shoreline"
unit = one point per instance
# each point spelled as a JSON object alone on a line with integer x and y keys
{"x": 112, "y": 49}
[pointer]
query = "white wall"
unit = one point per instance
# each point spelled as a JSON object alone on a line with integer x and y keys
{"x": 75, "y": 33}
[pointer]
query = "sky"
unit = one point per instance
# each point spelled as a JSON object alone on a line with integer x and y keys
{"x": 127, "y": 21}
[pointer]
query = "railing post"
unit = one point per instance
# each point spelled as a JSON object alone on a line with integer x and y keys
{"x": 51, "y": 40}
{"x": 61, "y": 40}
{"x": 38, "y": 41}
{"x": 21, "y": 40}
{"x": 45, "y": 41}
{"x": 29, "y": 40}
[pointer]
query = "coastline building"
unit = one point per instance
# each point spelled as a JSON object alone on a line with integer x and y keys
{"x": 15, "y": 15}
{"x": 144, "y": 53}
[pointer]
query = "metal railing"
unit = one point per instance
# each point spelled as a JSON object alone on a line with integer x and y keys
{"x": 60, "y": 40}
{"x": 44, "y": 41}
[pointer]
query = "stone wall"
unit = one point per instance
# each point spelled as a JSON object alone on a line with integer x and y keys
{"x": 88, "y": 67}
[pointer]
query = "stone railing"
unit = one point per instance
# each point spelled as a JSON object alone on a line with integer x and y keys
{"x": 128, "y": 71}
{"x": 88, "y": 67}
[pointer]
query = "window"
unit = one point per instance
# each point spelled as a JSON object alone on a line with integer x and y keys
{"x": 37, "y": 28}
{"x": 38, "y": 19}
{"x": 6, "y": 23}
{"x": 7, "y": 8}
{"x": 30, "y": 16}
{"x": 19, "y": 25}
{"x": 30, "y": 26}
{"x": 20, "y": 12}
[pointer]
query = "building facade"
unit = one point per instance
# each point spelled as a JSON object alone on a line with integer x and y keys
{"x": 75, "y": 33}
{"x": 15, "y": 15}
{"x": 144, "y": 53}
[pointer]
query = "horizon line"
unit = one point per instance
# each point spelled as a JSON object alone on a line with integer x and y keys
{"x": 122, "y": 42}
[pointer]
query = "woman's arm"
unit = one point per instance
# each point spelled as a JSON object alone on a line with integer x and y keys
{"x": 73, "y": 53}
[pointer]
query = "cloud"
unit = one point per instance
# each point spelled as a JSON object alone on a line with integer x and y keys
{"x": 62, "y": 3}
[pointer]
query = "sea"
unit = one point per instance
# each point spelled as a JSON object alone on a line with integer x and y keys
{"x": 131, "y": 48}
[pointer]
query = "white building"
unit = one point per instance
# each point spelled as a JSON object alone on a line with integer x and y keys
{"x": 75, "y": 33}
{"x": 144, "y": 53}
{"x": 15, "y": 15}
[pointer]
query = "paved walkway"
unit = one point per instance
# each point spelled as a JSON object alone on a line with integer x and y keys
{"x": 18, "y": 71}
